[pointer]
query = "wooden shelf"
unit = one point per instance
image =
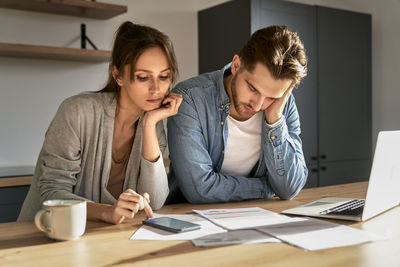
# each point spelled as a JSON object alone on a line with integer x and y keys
{"x": 15, "y": 181}
{"x": 51, "y": 52}
{"x": 80, "y": 8}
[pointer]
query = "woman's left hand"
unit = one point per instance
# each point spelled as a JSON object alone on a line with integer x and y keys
{"x": 170, "y": 106}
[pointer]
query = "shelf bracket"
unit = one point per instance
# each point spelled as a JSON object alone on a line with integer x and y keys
{"x": 85, "y": 38}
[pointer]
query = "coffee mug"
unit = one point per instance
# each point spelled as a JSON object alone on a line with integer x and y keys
{"x": 62, "y": 219}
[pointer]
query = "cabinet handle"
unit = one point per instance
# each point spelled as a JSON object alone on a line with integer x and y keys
{"x": 314, "y": 170}
{"x": 323, "y": 168}
{"x": 314, "y": 158}
{"x": 323, "y": 156}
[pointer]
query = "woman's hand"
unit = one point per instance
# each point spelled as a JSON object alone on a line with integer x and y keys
{"x": 128, "y": 204}
{"x": 150, "y": 147}
{"x": 170, "y": 106}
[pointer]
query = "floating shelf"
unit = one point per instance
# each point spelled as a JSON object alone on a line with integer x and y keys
{"x": 51, "y": 52}
{"x": 80, "y": 8}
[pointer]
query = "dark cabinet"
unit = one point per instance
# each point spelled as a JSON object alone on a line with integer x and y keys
{"x": 342, "y": 172}
{"x": 11, "y": 200}
{"x": 313, "y": 173}
{"x": 334, "y": 100}
{"x": 344, "y": 99}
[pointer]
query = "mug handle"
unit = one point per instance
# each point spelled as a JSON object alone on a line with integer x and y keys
{"x": 39, "y": 222}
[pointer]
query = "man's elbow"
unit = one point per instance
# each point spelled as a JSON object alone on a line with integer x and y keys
{"x": 200, "y": 197}
{"x": 195, "y": 199}
{"x": 288, "y": 196}
{"x": 293, "y": 190}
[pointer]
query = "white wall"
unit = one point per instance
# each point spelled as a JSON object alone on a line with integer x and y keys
{"x": 385, "y": 57}
{"x": 32, "y": 89}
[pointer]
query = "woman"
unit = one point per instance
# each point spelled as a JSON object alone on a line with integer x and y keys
{"x": 106, "y": 147}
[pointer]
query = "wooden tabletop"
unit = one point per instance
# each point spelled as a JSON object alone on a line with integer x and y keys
{"x": 109, "y": 245}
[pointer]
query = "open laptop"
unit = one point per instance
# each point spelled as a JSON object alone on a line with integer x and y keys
{"x": 383, "y": 188}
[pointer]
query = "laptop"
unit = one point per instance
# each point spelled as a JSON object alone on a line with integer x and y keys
{"x": 383, "y": 187}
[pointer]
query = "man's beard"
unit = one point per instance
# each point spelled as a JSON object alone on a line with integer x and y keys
{"x": 238, "y": 106}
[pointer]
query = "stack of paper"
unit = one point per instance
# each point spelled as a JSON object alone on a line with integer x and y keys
{"x": 245, "y": 218}
{"x": 209, "y": 234}
{"x": 256, "y": 225}
{"x": 234, "y": 238}
{"x": 313, "y": 234}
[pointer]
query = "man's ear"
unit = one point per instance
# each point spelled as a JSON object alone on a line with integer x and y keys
{"x": 116, "y": 76}
{"x": 235, "y": 64}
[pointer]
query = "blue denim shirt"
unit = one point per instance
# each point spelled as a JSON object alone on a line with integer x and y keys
{"x": 197, "y": 137}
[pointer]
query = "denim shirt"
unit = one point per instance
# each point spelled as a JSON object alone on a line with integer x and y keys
{"x": 197, "y": 137}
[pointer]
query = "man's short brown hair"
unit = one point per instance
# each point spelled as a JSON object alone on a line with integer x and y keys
{"x": 280, "y": 50}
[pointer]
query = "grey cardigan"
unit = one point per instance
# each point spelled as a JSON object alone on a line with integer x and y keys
{"x": 75, "y": 159}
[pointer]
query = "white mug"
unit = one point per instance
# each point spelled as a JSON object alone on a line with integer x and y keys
{"x": 62, "y": 219}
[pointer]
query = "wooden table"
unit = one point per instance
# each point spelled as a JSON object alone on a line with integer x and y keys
{"x": 109, "y": 245}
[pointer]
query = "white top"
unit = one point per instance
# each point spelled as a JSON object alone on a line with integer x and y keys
{"x": 243, "y": 146}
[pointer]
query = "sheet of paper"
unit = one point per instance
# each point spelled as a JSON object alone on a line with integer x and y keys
{"x": 314, "y": 234}
{"x": 234, "y": 238}
{"x": 244, "y": 218}
{"x": 150, "y": 233}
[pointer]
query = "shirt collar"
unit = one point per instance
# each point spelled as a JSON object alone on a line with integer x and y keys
{"x": 223, "y": 96}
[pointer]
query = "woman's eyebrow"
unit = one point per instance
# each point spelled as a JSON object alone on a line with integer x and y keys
{"x": 149, "y": 71}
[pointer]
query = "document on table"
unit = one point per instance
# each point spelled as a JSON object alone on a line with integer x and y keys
{"x": 259, "y": 226}
{"x": 150, "y": 233}
{"x": 234, "y": 238}
{"x": 314, "y": 234}
{"x": 244, "y": 218}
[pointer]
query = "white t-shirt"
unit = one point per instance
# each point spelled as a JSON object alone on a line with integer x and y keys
{"x": 243, "y": 146}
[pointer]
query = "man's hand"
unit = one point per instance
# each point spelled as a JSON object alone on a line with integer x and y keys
{"x": 274, "y": 112}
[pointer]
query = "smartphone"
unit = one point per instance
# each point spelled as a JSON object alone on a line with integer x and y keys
{"x": 172, "y": 225}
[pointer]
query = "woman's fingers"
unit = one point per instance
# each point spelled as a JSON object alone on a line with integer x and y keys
{"x": 170, "y": 106}
{"x": 147, "y": 197}
{"x": 129, "y": 203}
{"x": 174, "y": 101}
{"x": 128, "y": 213}
{"x": 147, "y": 208}
{"x": 131, "y": 196}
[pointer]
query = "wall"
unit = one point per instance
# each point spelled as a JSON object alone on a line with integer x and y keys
{"x": 385, "y": 57}
{"x": 32, "y": 89}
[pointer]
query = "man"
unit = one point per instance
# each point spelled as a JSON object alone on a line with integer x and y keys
{"x": 236, "y": 135}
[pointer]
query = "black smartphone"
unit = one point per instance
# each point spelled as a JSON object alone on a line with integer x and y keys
{"x": 171, "y": 224}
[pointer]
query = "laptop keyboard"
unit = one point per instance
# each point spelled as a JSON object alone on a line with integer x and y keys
{"x": 353, "y": 207}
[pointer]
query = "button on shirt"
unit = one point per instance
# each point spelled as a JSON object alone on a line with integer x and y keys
{"x": 243, "y": 147}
